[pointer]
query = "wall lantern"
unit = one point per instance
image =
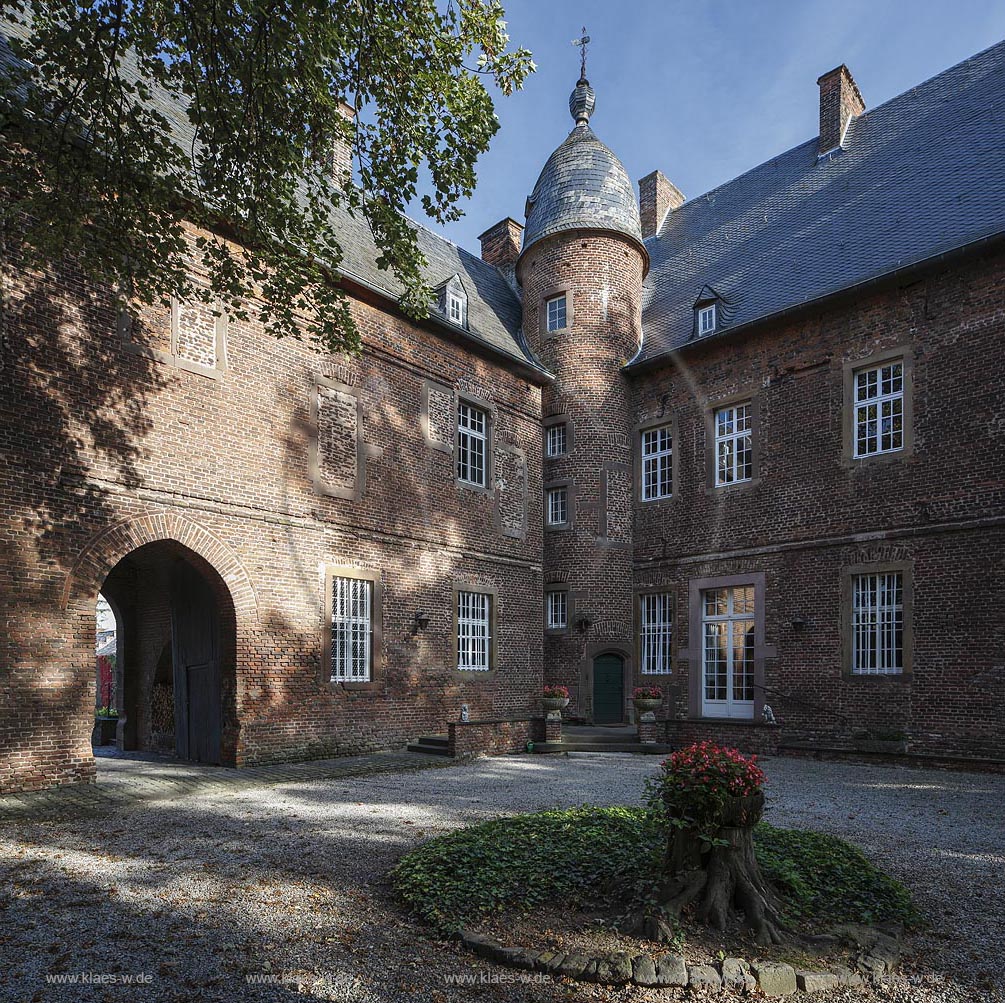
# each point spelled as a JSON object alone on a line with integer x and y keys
{"x": 420, "y": 622}
{"x": 584, "y": 623}
{"x": 798, "y": 622}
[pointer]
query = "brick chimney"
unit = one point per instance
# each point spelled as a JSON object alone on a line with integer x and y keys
{"x": 501, "y": 243}
{"x": 840, "y": 102}
{"x": 657, "y": 197}
{"x": 341, "y": 156}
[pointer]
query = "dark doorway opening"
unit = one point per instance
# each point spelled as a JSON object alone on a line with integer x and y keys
{"x": 175, "y": 651}
{"x": 608, "y": 689}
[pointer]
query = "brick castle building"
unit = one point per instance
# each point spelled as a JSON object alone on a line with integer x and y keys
{"x": 748, "y": 447}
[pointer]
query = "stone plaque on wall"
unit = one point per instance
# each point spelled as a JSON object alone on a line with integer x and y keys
{"x": 338, "y": 434}
{"x": 511, "y": 490}
{"x": 196, "y": 340}
{"x": 438, "y": 416}
{"x": 618, "y": 507}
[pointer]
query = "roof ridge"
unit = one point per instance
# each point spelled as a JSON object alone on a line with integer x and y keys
{"x": 921, "y": 177}
{"x": 814, "y": 139}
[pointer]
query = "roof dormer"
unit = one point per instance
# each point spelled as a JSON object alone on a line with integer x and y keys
{"x": 452, "y": 301}
{"x": 709, "y": 313}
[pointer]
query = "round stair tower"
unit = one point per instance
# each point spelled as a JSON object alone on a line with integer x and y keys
{"x": 581, "y": 269}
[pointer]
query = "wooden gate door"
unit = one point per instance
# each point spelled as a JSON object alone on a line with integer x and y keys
{"x": 608, "y": 689}
{"x": 195, "y": 632}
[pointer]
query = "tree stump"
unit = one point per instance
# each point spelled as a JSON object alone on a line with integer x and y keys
{"x": 717, "y": 877}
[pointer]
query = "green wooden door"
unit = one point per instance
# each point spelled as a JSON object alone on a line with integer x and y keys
{"x": 608, "y": 689}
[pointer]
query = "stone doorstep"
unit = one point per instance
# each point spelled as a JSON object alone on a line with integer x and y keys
{"x": 774, "y": 979}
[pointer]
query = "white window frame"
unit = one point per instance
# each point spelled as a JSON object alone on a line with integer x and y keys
{"x": 351, "y": 653}
{"x": 726, "y": 625}
{"x": 877, "y": 623}
{"x": 455, "y": 308}
{"x": 734, "y": 437}
{"x": 707, "y": 320}
{"x": 879, "y": 401}
{"x": 557, "y": 609}
{"x": 556, "y": 439}
{"x": 561, "y": 312}
{"x": 474, "y": 631}
{"x": 656, "y": 616}
{"x": 657, "y": 463}
{"x": 557, "y": 504}
{"x": 472, "y": 444}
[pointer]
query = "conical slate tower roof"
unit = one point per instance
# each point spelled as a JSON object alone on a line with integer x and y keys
{"x": 583, "y": 185}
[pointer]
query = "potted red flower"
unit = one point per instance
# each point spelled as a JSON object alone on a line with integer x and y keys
{"x": 647, "y": 698}
{"x": 555, "y": 697}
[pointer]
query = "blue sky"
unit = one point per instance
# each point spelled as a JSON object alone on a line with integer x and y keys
{"x": 705, "y": 89}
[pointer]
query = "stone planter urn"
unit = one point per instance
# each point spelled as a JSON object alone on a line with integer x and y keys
{"x": 555, "y": 703}
{"x": 647, "y": 706}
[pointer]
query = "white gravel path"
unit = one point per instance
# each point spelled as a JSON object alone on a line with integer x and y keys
{"x": 204, "y": 894}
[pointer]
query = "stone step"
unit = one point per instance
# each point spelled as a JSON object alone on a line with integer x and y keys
{"x": 433, "y": 745}
{"x": 603, "y": 747}
{"x": 602, "y": 739}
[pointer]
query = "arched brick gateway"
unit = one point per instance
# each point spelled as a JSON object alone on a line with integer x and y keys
{"x": 108, "y": 547}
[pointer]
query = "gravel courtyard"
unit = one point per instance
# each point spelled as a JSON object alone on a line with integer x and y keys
{"x": 267, "y": 891}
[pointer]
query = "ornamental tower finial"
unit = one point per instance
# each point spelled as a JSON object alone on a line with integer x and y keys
{"x": 583, "y": 41}
{"x": 582, "y": 101}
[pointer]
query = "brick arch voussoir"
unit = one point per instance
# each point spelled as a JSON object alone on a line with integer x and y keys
{"x": 104, "y": 550}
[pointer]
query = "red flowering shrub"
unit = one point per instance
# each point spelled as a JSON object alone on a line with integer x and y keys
{"x": 695, "y": 783}
{"x": 707, "y": 768}
{"x": 556, "y": 692}
{"x": 647, "y": 693}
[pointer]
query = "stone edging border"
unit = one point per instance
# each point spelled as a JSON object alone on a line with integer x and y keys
{"x": 877, "y": 956}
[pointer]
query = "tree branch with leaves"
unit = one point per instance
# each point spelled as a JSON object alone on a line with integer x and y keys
{"x": 151, "y": 139}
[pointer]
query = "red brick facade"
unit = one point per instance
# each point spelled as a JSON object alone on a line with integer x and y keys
{"x": 275, "y": 471}
{"x": 114, "y": 450}
{"x": 811, "y": 513}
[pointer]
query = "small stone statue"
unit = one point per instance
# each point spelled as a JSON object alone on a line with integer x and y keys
{"x": 769, "y": 715}
{"x": 465, "y": 717}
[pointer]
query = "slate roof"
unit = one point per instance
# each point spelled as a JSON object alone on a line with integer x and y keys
{"x": 582, "y": 185}
{"x": 918, "y": 176}
{"x": 494, "y": 311}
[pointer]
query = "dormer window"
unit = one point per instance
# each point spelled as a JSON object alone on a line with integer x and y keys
{"x": 452, "y": 301}
{"x": 708, "y": 317}
{"x": 706, "y": 320}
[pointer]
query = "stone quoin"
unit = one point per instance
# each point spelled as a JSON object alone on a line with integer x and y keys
{"x": 748, "y": 447}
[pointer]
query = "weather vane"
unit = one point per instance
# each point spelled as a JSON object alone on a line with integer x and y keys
{"x": 582, "y": 43}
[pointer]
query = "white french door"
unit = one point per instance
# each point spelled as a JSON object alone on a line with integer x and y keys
{"x": 727, "y": 657}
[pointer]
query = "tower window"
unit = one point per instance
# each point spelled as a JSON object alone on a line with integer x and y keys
{"x": 556, "y": 440}
{"x": 706, "y": 320}
{"x": 558, "y": 610}
{"x": 558, "y": 506}
{"x": 556, "y": 313}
